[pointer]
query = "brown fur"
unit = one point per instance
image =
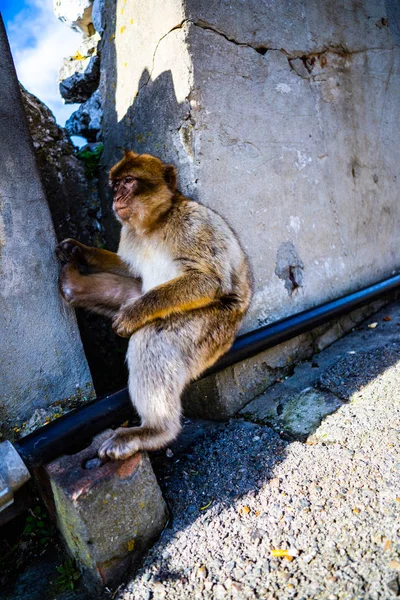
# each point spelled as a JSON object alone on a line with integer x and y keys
{"x": 195, "y": 289}
{"x": 105, "y": 284}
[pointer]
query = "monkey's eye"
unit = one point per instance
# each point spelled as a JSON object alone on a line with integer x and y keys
{"x": 129, "y": 179}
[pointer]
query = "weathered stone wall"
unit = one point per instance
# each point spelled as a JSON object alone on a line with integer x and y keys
{"x": 283, "y": 117}
{"x": 41, "y": 355}
{"x": 72, "y": 195}
{"x": 73, "y": 198}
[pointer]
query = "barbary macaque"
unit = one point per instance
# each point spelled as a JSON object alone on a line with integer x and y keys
{"x": 178, "y": 287}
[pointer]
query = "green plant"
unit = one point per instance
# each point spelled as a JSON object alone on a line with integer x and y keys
{"x": 90, "y": 157}
{"x": 39, "y": 526}
{"x": 69, "y": 574}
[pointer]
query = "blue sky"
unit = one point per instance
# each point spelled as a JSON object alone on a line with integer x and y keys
{"x": 39, "y": 42}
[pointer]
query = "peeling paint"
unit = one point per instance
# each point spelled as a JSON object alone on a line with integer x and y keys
{"x": 186, "y": 135}
{"x": 302, "y": 160}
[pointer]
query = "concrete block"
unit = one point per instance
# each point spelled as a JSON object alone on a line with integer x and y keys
{"x": 108, "y": 514}
{"x": 222, "y": 395}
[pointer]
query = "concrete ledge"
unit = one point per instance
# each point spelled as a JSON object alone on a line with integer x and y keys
{"x": 222, "y": 395}
{"x": 297, "y": 405}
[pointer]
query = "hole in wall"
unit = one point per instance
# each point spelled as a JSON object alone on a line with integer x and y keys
{"x": 289, "y": 267}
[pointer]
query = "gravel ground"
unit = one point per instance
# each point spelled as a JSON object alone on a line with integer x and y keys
{"x": 332, "y": 502}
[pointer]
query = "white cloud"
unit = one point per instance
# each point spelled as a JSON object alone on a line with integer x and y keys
{"x": 39, "y": 42}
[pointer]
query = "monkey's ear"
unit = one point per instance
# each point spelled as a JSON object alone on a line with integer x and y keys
{"x": 170, "y": 177}
{"x": 128, "y": 154}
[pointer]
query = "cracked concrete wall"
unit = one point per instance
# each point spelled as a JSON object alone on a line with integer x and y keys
{"x": 309, "y": 159}
{"x": 283, "y": 116}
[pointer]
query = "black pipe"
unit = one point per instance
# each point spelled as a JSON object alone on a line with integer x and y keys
{"x": 254, "y": 342}
{"x": 67, "y": 433}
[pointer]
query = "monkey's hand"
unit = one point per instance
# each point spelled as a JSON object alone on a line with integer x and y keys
{"x": 70, "y": 251}
{"x": 128, "y": 320}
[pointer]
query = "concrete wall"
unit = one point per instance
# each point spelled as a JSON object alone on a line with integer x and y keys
{"x": 283, "y": 116}
{"x": 41, "y": 355}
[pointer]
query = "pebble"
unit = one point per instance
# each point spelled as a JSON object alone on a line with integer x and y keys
{"x": 219, "y": 591}
{"x": 93, "y": 463}
{"x": 159, "y": 589}
{"x": 202, "y": 572}
{"x": 230, "y": 565}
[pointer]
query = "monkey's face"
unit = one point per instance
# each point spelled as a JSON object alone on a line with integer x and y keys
{"x": 143, "y": 188}
{"x": 125, "y": 190}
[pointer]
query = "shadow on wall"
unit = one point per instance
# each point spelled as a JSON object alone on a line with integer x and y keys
{"x": 139, "y": 131}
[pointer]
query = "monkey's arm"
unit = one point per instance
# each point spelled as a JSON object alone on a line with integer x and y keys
{"x": 102, "y": 293}
{"x": 182, "y": 294}
{"x": 96, "y": 259}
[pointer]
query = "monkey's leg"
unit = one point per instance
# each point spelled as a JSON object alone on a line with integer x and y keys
{"x": 157, "y": 375}
{"x": 163, "y": 358}
{"x": 102, "y": 293}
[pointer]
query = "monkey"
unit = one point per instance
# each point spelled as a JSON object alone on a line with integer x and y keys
{"x": 178, "y": 287}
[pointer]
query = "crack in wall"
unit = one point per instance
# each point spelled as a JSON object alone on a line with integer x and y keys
{"x": 263, "y": 49}
{"x": 306, "y": 57}
{"x": 203, "y": 25}
{"x": 179, "y": 26}
{"x": 260, "y": 49}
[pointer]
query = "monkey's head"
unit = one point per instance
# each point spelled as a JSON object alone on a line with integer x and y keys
{"x": 143, "y": 188}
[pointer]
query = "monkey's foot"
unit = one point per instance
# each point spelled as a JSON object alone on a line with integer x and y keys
{"x": 121, "y": 445}
{"x": 69, "y": 251}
